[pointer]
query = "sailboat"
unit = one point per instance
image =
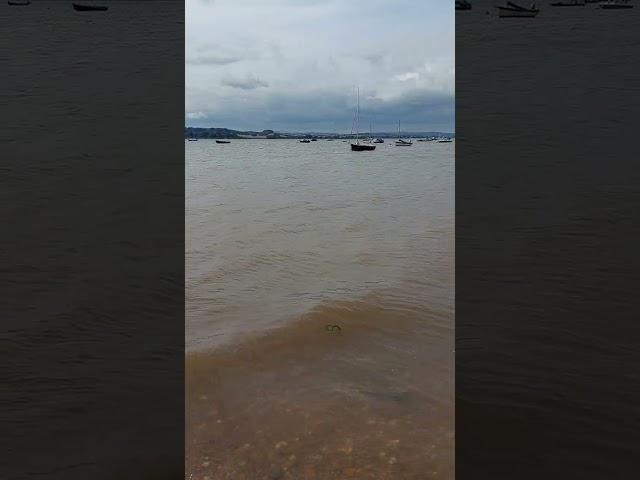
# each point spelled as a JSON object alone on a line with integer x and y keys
{"x": 513, "y": 10}
{"x": 374, "y": 140}
{"x": 370, "y": 139}
{"x": 359, "y": 147}
{"x": 400, "y": 142}
{"x": 615, "y": 4}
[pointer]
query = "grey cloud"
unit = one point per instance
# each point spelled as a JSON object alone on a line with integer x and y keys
{"x": 332, "y": 111}
{"x": 249, "y": 82}
{"x": 375, "y": 58}
{"x": 213, "y": 59}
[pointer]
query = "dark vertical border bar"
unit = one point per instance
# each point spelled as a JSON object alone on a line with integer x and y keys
{"x": 92, "y": 251}
{"x": 547, "y": 195}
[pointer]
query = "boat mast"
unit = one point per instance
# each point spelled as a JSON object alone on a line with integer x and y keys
{"x": 358, "y": 118}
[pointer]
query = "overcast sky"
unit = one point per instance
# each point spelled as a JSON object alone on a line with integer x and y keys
{"x": 294, "y": 65}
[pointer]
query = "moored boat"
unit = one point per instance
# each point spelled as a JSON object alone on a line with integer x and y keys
{"x": 81, "y": 7}
{"x": 615, "y": 4}
{"x": 512, "y": 10}
{"x": 19, "y": 3}
{"x": 400, "y": 142}
{"x": 305, "y": 140}
{"x": 360, "y": 147}
{"x": 223, "y": 141}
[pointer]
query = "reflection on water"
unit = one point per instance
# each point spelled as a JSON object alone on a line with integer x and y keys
{"x": 284, "y": 239}
{"x": 546, "y": 316}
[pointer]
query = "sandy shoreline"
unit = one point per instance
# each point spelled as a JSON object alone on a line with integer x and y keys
{"x": 373, "y": 401}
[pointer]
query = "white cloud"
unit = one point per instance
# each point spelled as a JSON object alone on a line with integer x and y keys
{"x": 196, "y": 115}
{"x": 248, "y": 82}
{"x": 403, "y": 77}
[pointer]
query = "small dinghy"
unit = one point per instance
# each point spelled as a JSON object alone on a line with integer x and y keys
{"x": 79, "y": 7}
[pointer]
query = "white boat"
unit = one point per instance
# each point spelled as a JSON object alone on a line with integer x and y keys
{"x": 615, "y": 4}
{"x": 512, "y": 10}
{"x": 400, "y": 142}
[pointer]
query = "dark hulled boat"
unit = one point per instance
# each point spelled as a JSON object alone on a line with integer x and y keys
{"x": 79, "y": 7}
{"x": 360, "y": 147}
{"x": 223, "y": 141}
{"x": 19, "y": 3}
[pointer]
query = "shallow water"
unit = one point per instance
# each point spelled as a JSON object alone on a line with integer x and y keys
{"x": 283, "y": 239}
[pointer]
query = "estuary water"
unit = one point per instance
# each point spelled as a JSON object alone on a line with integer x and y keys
{"x": 285, "y": 241}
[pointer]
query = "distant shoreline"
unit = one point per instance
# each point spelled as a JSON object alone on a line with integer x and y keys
{"x": 218, "y": 133}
